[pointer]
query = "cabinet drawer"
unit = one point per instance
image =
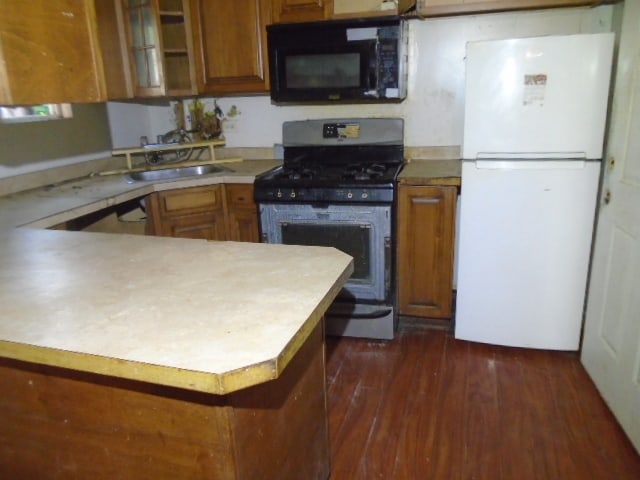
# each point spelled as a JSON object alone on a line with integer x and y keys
{"x": 240, "y": 196}
{"x": 190, "y": 200}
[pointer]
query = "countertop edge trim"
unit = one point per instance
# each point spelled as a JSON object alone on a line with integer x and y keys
{"x": 113, "y": 367}
{"x": 273, "y": 368}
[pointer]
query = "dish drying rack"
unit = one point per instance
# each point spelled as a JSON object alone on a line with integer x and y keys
{"x": 161, "y": 148}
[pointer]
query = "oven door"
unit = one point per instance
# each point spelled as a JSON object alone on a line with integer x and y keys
{"x": 362, "y": 231}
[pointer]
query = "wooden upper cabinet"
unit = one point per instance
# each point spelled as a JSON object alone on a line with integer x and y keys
{"x": 160, "y": 49}
{"x": 49, "y": 52}
{"x": 370, "y": 8}
{"x": 112, "y": 37}
{"x": 432, "y": 8}
{"x": 285, "y": 11}
{"x": 231, "y": 45}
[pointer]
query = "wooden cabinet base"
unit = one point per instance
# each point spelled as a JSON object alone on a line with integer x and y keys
{"x": 426, "y": 219}
{"x": 59, "y": 423}
{"x": 212, "y": 212}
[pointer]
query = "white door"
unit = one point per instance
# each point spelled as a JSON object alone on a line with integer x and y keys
{"x": 611, "y": 342}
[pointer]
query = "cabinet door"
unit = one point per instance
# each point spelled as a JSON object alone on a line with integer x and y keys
{"x": 49, "y": 53}
{"x": 113, "y": 42}
{"x": 143, "y": 33}
{"x": 243, "y": 226}
{"x": 426, "y": 219}
{"x": 232, "y": 45}
{"x": 285, "y": 11}
{"x": 177, "y": 47}
{"x": 160, "y": 47}
{"x": 196, "y": 212}
{"x": 242, "y": 213}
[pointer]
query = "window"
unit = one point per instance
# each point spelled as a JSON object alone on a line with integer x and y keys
{"x": 35, "y": 113}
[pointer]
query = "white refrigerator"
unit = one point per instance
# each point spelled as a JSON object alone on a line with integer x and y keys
{"x": 535, "y": 114}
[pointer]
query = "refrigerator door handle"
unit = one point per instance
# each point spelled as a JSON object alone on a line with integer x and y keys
{"x": 531, "y": 155}
{"x": 530, "y": 164}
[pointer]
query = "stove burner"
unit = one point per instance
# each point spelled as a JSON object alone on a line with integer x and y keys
{"x": 297, "y": 173}
{"x": 364, "y": 171}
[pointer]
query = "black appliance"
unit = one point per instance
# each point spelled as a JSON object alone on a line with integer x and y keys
{"x": 338, "y": 61}
{"x": 337, "y": 188}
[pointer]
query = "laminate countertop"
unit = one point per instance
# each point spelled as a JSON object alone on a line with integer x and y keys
{"x": 51, "y": 205}
{"x": 207, "y": 316}
{"x": 431, "y": 172}
{"x": 214, "y": 317}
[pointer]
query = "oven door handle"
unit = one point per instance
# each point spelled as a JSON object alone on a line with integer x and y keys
{"x": 379, "y": 313}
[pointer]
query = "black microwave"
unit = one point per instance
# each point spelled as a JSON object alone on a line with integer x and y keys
{"x": 338, "y": 61}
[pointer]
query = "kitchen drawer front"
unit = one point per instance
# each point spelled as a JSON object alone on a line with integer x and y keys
{"x": 190, "y": 200}
{"x": 240, "y": 196}
{"x": 208, "y": 226}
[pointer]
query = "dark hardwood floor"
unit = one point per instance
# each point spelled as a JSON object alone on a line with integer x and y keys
{"x": 427, "y": 406}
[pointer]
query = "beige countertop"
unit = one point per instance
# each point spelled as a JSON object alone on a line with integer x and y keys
{"x": 207, "y": 316}
{"x": 431, "y": 172}
{"x": 48, "y": 206}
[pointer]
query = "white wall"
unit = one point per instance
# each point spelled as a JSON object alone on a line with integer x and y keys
{"x": 434, "y": 108}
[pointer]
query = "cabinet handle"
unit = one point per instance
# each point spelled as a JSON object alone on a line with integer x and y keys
{"x": 426, "y": 201}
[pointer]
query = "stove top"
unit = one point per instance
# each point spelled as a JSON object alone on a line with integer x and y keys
{"x": 364, "y": 180}
{"x": 336, "y": 161}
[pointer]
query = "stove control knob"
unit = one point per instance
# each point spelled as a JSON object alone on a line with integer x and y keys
{"x": 349, "y": 195}
{"x": 365, "y": 195}
{"x": 292, "y": 194}
{"x": 279, "y": 194}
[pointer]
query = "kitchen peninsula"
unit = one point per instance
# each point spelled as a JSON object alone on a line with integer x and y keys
{"x": 125, "y": 356}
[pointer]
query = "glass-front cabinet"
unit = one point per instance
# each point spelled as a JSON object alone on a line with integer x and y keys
{"x": 160, "y": 51}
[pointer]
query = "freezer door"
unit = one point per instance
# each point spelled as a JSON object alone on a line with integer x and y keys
{"x": 525, "y": 240}
{"x": 537, "y": 97}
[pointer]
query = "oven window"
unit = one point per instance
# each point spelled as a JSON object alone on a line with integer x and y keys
{"x": 351, "y": 239}
{"x": 323, "y": 70}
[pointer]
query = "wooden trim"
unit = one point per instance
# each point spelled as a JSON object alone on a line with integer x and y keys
{"x": 60, "y": 423}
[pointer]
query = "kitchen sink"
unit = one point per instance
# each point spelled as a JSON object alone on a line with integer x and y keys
{"x": 172, "y": 173}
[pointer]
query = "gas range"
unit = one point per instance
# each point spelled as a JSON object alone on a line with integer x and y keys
{"x": 336, "y": 174}
{"x": 352, "y": 161}
{"x": 336, "y": 188}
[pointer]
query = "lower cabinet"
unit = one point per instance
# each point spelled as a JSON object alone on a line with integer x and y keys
{"x": 426, "y": 230}
{"x": 242, "y": 213}
{"x": 212, "y": 212}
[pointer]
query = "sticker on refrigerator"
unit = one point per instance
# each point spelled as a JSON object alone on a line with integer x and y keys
{"x": 534, "y": 89}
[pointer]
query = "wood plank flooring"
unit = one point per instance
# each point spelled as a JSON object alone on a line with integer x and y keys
{"x": 427, "y": 406}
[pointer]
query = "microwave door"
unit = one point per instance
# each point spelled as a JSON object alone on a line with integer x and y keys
{"x": 326, "y": 73}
